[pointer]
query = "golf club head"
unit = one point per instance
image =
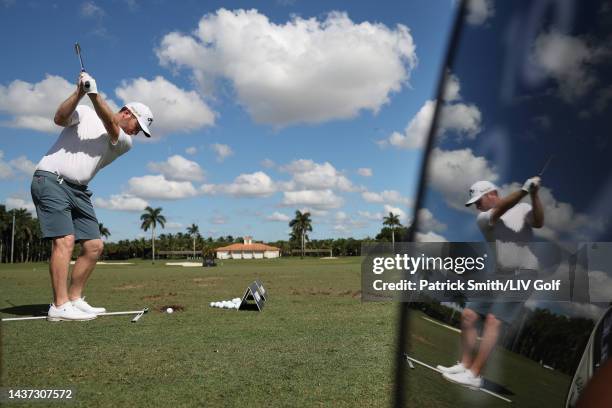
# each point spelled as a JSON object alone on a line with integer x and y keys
{"x": 77, "y": 49}
{"x": 139, "y": 315}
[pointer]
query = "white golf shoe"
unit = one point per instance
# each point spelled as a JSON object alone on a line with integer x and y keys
{"x": 83, "y": 306}
{"x": 456, "y": 369}
{"x": 465, "y": 378}
{"x": 67, "y": 312}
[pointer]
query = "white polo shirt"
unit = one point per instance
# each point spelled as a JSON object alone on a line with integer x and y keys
{"x": 83, "y": 148}
{"x": 511, "y": 233}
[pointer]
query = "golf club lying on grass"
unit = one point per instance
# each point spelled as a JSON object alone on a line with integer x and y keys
{"x": 138, "y": 313}
{"x": 411, "y": 360}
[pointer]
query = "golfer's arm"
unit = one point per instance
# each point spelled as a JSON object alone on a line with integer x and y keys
{"x": 505, "y": 204}
{"x": 106, "y": 115}
{"x": 537, "y": 211}
{"x": 64, "y": 111}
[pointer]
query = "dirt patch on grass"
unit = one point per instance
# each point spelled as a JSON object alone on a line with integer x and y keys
{"x": 176, "y": 308}
{"x": 129, "y": 286}
{"x": 158, "y": 297}
{"x": 209, "y": 279}
{"x": 325, "y": 292}
{"x": 422, "y": 339}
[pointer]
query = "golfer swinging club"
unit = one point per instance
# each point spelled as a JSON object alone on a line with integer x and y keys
{"x": 91, "y": 139}
{"x": 509, "y": 224}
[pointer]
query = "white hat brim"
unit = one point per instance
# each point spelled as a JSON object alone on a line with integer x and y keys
{"x": 144, "y": 127}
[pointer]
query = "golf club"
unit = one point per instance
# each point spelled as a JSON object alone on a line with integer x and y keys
{"x": 138, "y": 313}
{"x": 77, "y": 49}
{"x": 411, "y": 360}
{"x": 546, "y": 165}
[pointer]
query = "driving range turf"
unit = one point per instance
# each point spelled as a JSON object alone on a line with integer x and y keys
{"x": 315, "y": 343}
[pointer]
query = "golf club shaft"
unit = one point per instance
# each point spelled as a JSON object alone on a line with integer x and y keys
{"x": 545, "y": 165}
{"x": 123, "y": 313}
{"x": 132, "y": 312}
{"x": 77, "y": 49}
{"x": 408, "y": 358}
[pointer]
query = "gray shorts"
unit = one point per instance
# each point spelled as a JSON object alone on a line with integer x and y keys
{"x": 507, "y": 312}
{"x": 63, "y": 208}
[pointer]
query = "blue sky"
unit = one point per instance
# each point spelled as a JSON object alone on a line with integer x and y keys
{"x": 267, "y": 108}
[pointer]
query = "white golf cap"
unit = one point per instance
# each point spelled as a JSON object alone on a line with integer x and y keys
{"x": 143, "y": 114}
{"x": 479, "y": 189}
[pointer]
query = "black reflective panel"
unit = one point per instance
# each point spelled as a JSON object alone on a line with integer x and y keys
{"x": 527, "y": 92}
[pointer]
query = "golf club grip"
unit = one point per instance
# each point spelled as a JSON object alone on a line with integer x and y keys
{"x": 86, "y": 85}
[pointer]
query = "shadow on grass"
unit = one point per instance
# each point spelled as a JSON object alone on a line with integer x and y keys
{"x": 27, "y": 310}
{"x": 496, "y": 388}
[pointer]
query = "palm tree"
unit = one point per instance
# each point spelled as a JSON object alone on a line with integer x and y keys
{"x": 193, "y": 231}
{"x": 300, "y": 225}
{"x": 392, "y": 221}
{"x": 150, "y": 219}
{"x": 104, "y": 232}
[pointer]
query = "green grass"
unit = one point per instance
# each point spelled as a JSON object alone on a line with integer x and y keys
{"x": 315, "y": 344}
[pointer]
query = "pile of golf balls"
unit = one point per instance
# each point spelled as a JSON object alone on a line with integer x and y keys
{"x": 227, "y": 304}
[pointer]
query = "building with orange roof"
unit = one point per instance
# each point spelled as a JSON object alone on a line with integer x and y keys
{"x": 247, "y": 250}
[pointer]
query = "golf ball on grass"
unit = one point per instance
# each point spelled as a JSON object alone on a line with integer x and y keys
{"x": 169, "y": 310}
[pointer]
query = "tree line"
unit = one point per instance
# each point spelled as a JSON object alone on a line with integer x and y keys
{"x": 29, "y": 246}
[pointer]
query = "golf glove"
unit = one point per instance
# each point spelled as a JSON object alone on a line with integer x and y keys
{"x": 93, "y": 88}
{"x": 531, "y": 184}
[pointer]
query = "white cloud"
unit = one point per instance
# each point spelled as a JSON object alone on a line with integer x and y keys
{"x": 257, "y": 184}
{"x": 279, "y": 217}
{"x": 122, "y": 202}
{"x": 267, "y": 163}
{"x": 174, "y": 109}
{"x": 463, "y": 120}
{"x": 478, "y": 11}
{"x": 452, "y": 88}
{"x": 567, "y": 60}
{"x": 343, "y": 223}
{"x": 222, "y": 151}
{"x": 24, "y": 165}
{"x": 427, "y": 221}
{"x": 397, "y": 211}
{"x": 452, "y": 172}
{"x": 308, "y": 175}
{"x": 157, "y": 187}
{"x": 318, "y": 199}
{"x": 20, "y": 165}
{"x": 386, "y": 196}
{"x": 191, "y": 150}
{"x": 6, "y": 171}
{"x": 365, "y": 172}
{"x": 33, "y": 105}
{"x": 218, "y": 220}
{"x": 90, "y": 9}
{"x": 334, "y": 65}
{"x": 313, "y": 211}
{"x": 371, "y": 216}
{"x": 17, "y": 202}
{"x": 173, "y": 225}
{"x": 429, "y": 237}
{"x": 178, "y": 168}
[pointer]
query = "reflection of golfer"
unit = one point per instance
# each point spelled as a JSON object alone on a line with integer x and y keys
{"x": 91, "y": 139}
{"x": 508, "y": 223}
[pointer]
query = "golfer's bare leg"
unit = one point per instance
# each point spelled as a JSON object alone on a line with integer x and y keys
{"x": 58, "y": 267}
{"x": 469, "y": 334}
{"x": 489, "y": 339}
{"x": 84, "y": 266}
